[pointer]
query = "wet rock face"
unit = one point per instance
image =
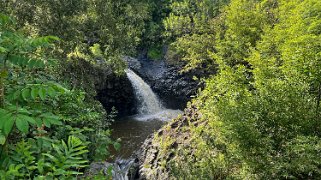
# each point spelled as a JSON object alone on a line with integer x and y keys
{"x": 118, "y": 93}
{"x": 111, "y": 90}
{"x": 174, "y": 88}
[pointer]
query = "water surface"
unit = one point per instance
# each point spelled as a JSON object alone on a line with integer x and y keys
{"x": 133, "y": 133}
{"x": 133, "y": 130}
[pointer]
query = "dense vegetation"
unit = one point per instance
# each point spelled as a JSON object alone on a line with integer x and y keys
{"x": 51, "y": 126}
{"x": 262, "y": 108}
{"x": 260, "y": 111}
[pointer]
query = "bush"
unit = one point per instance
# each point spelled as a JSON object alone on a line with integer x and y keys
{"x": 263, "y": 107}
{"x": 46, "y": 130}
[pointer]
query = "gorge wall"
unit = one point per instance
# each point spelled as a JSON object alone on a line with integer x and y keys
{"x": 99, "y": 80}
{"x": 174, "y": 88}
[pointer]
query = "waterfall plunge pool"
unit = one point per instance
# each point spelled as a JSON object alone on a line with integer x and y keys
{"x": 133, "y": 130}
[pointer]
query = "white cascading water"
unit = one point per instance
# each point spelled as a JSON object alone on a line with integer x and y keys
{"x": 148, "y": 102}
{"x": 149, "y": 106}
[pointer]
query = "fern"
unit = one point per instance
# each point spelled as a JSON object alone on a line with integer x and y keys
{"x": 62, "y": 160}
{"x": 25, "y": 101}
{"x": 68, "y": 157}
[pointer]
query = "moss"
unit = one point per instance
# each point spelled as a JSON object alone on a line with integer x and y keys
{"x": 155, "y": 53}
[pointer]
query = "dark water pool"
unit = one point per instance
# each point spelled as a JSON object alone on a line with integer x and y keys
{"x": 135, "y": 129}
{"x": 132, "y": 134}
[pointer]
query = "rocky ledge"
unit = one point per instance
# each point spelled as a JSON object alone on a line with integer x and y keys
{"x": 157, "y": 152}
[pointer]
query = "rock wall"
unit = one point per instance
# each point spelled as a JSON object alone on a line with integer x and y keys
{"x": 174, "y": 88}
{"x": 118, "y": 93}
{"x": 99, "y": 80}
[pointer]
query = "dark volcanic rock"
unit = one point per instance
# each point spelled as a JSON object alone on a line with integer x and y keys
{"x": 99, "y": 80}
{"x": 174, "y": 88}
{"x": 118, "y": 93}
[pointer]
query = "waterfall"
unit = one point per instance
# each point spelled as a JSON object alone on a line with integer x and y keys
{"x": 148, "y": 102}
{"x": 134, "y": 129}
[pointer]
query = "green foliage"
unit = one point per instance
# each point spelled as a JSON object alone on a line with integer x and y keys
{"x": 191, "y": 29}
{"x": 29, "y": 159}
{"x": 34, "y": 105}
{"x": 116, "y": 24}
{"x": 97, "y": 58}
{"x": 262, "y": 110}
{"x": 20, "y": 54}
{"x": 92, "y": 34}
{"x": 242, "y": 27}
{"x": 199, "y": 29}
{"x": 68, "y": 156}
{"x": 260, "y": 113}
{"x": 152, "y": 38}
{"x": 101, "y": 144}
{"x": 189, "y": 17}
{"x": 155, "y": 53}
{"x": 194, "y": 49}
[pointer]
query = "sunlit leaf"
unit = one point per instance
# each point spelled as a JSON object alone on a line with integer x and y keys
{"x": 27, "y": 118}
{"x": 4, "y": 115}
{"x": 47, "y": 123}
{"x": 34, "y": 92}
{"x": 42, "y": 93}
{"x": 25, "y": 94}
{"x": 2, "y": 139}
{"x": 8, "y": 124}
{"x": 51, "y": 92}
{"x": 22, "y": 124}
